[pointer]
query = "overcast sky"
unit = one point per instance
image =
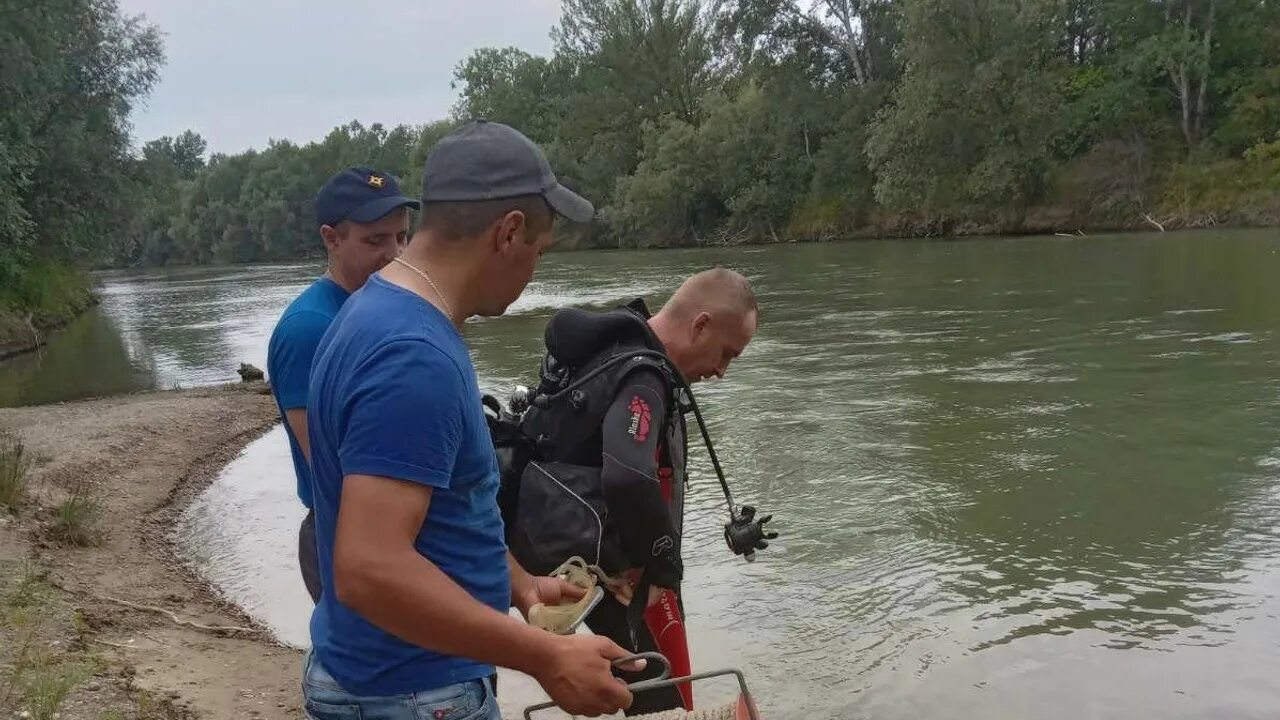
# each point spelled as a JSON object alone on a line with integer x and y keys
{"x": 241, "y": 72}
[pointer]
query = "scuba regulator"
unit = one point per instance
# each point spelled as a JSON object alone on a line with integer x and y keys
{"x": 744, "y": 533}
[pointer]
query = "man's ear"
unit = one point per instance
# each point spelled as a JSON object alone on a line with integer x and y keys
{"x": 330, "y": 236}
{"x": 701, "y": 322}
{"x": 511, "y": 231}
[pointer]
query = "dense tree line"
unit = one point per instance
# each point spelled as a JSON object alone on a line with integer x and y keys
{"x": 774, "y": 120}
{"x": 69, "y": 73}
{"x": 795, "y": 119}
{"x": 255, "y": 205}
{"x": 702, "y": 122}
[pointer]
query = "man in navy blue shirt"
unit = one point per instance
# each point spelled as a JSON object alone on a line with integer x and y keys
{"x": 416, "y": 573}
{"x": 364, "y": 222}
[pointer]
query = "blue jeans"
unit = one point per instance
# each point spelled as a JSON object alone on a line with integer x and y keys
{"x": 326, "y": 700}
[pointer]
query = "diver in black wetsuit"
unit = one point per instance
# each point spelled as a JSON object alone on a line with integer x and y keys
{"x": 623, "y": 434}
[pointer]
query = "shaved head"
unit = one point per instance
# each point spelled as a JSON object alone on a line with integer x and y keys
{"x": 707, "y": 323}
{"x": 719, "y": 291}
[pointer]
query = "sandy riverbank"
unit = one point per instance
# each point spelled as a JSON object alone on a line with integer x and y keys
{"x": 142, "y": 457}
{"x": 116, "y": 610}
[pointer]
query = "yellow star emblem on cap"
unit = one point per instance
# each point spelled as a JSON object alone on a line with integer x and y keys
{"x": 376, "y": 181}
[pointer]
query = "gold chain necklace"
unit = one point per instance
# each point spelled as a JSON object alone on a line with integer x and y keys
{"x": 448, "y": 310}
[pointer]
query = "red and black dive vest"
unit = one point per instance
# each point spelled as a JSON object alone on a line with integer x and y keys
{"x": 551, "y": 494}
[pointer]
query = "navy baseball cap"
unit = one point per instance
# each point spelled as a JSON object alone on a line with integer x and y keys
{"x": 485, "y": 160}
{"x": 359, "y": 194}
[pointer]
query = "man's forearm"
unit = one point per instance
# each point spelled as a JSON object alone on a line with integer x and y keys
{"x": 647, "y": 530}
{"x": 297, "y": 420}
{"x": 521, "y": 580}
{"x": 411, "y": 598}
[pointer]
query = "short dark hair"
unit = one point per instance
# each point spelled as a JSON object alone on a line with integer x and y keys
{"x": 457, "y": 220}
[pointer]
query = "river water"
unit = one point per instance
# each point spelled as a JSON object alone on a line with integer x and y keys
{"x": 1015, "y": 478}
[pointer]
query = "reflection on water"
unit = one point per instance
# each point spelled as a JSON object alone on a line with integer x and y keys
{"x": 1015, "y": 478}
{"x": 242, "y": 535}
{"x": 87, "y": 358}
{"x": 159, "y": 329}
{"x": 196, "y": 325}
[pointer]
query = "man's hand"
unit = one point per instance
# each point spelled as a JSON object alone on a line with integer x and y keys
{"x": 623, "y": 588}
{"x": 545, "y": 590}
{"x": 528, "y": 590}
{"x": 579, "y": 675}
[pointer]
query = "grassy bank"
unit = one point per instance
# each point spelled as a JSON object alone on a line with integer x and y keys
{"x": 43, "y": 297}
{"x": 1109, "y": 191}
{"x": 51, "y": 664}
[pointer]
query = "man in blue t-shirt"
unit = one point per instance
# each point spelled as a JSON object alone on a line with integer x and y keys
{"x": 417, "y": 578}
{"x": 364, "y": 222}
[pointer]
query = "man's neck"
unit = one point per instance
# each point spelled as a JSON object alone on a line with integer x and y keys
{"x": 342, "y": 280}
{"x": 449, "y": 275}
{"x": 660, "y": 324}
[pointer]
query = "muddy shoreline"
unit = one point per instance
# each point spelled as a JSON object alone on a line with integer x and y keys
{"x": 127, "y": 606}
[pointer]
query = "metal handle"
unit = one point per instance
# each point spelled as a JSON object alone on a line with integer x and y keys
{"x": 665, "y": 680}
{"x": 648, "y": 657}
{"x": 634, "y": 687}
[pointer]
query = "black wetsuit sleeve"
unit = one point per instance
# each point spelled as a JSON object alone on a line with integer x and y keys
{"x": 632, "y": 491}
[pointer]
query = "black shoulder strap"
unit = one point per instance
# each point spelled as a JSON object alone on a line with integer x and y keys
{"x": 648, "y": 362}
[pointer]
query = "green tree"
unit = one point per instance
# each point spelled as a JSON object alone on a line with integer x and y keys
{"x": 166, "y": 169}
{"x": 691, "y": 122}
{"x": 655, "y": 54}
{"x": 510, "y": 86}
{"x": 72, "y": 70}
{"x": 970, "y": 127}
{"x": 849, "y": 41}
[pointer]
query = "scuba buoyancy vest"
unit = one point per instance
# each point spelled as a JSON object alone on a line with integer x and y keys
{"x": 588, "y": 356}
{"x": 578, "y": 343}
{"x": 555, "y": 504}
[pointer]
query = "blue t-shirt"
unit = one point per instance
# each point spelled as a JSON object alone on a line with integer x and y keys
{"x": 289, "y": 355}
{"x": 394, "y": 394}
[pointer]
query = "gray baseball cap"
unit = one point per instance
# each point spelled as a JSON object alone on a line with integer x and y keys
{"x": 485, "y": 160}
